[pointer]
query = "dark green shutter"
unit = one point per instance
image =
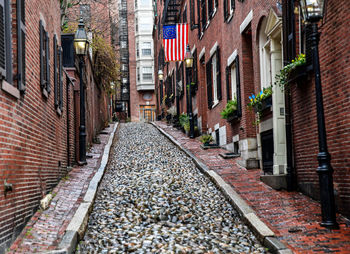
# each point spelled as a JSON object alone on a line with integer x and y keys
{"x": 60, "y": 82}
{"x": 218, "y": 74}
{"x": 209, "y": 84}
{"x": 238, "y": 87}
{"x": 55, "y": 61}
{"x": 2, "y": 40}
{"x": 42, "y": 67}
{"x": 21, "y": 36}
{"x": 48, "y": 84}
{"x": 228, "y": 84}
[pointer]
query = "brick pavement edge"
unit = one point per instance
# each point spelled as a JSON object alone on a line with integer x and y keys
{"x": 77, "y": 226}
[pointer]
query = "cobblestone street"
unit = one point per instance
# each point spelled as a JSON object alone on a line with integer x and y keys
{"x": 154, "y": 199}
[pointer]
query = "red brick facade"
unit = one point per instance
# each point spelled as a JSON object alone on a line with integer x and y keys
{"x": 37, "y": 141}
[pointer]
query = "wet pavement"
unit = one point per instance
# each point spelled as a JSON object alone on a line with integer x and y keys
{"x": 153, "y": 199}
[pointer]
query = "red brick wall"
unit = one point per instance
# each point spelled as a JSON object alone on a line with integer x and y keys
{"x": 33, "y": 136}
{"x": 335, "y": 73}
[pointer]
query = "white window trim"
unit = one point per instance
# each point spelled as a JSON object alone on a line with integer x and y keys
{"x": 246, "y": 22}
{"x": 215, "y": 82}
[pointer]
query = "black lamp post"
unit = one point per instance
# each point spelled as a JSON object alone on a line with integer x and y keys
{"x": 161, "y": 77}
{"x": 189, "y": 65}
{"x": 313, "y": 11}
{"x": 81, "y": 47}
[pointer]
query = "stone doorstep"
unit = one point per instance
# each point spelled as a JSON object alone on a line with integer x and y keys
{"x": 276, "y": 182}
{"x": 259, "y": 228}
{"x": 210, "y": 147}
{"x": 229, "y": 155}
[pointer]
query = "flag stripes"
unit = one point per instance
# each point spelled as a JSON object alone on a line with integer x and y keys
{"x": 175, "y": 39}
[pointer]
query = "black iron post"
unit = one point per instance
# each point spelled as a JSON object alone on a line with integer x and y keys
{"x": 189, "y": 100}
{"x": 82, "y": 128}
{"x": 324, "y": 170}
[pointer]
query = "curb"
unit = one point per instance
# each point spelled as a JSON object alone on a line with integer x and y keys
{"x": 264, "y": 234}
{"x": 77, "y": 226}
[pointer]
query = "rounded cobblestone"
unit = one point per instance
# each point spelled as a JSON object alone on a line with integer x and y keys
{"x": 153, "y": 199}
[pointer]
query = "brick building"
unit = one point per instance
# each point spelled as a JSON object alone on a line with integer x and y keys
{"x": 239, "y": 47}
{"x": 38, "y": 109}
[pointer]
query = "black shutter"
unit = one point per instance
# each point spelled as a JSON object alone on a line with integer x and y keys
{"x": 2, "y": 40}
{"x": 233, "y": 4}
{"x": 21, "y": 35}
{"x": 42, "y": 54}
{"x": 216, "y": 3}
{"x": 225, "y": 10}
{"x": 238, "y": 88}
{"x": 199, "y": 17}
{"x": 210, "y": 8}
{"x": 182, "y": 79}
{"x": 195, "y": 70}
{"x": 60, "y": 82}
{"x": 55, "y": 61}
{"x": 191, "y": 14}
{"x": 209, "y": 85}
{"x": 48, "y": 85}
{"x": 228, "y": 84}
{"x": 218, "y": 74}
{"x": 204, "y": 13}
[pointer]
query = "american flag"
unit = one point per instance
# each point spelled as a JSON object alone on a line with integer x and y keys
{"x": 175, "y": 40}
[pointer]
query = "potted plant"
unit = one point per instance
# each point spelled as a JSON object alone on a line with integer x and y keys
{"x": 184, "y": 119}
{"x": 230, "y": 111}
{"x": 285, "y": 75}
{"x": 206, "y": 139}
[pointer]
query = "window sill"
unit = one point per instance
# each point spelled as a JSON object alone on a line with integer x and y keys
{"x": 59, "y": 112}
{"x": 215, "y": 103}
{"x": 10, "y": 89}
{"x": 45, "y": 94}
{"x": 228, "y": 20}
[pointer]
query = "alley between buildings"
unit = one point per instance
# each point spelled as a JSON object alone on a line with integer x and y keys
{"x": 153, "y": 199}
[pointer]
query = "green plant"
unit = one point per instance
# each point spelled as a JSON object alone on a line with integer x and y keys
{"x": 229, "y": 110}
{"x": 206, "y": 138}
{"x": 282, "y": 77}
{"x": 183, "y": 119}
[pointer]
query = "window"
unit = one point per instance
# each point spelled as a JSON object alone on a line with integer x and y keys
{"x": 44, "y": 61}
{"x": 265, "y": 57}
{"x": 137, "y": 49}
{"x": 58, "y": 84}
{"x": 233, "y": 84}
{"x": 85, "y": 13}
{"x": 146, "y": 49}
{"x": 213, "y": 79}
{"x": 5, "y": 45}
{"x": 147, "y": 73}
{"x": 229, "y": 6}
{"x": 137, "y": 25}
{"x": 184, "y": 17}
{"x": 192, "y": 21}
{"x": 138, "y": 73}
{"x": 123, "y": 44}
{"x": 204, "y": 14}
{"x": 146, "y": 27}
{"x": 135, "y": 4}
{"x": 145, "y": 2}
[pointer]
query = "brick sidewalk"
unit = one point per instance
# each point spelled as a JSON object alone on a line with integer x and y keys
{"x": 45, "y": 229}
{"x": 292, "y": 216}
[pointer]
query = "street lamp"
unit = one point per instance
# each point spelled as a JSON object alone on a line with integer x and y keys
{"x": 313, "y": 11}
{"x": 81, "y": 46}
{"x": 189, "y": 65}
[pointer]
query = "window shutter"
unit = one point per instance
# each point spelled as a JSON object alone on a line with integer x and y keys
{"x": 199, "y": 17}
{"x": 60, "y": 82}
{"x": 209, "y": 85}
{"x": 238, "y": 91}
{"x": 42, "y": 67}
{"x": 216, "y": 3}
{"x": 218, "y": 74}
{"x": 21, "y": 35}
{"x": 195, "y": 70}
{"x": 204, "y": 14}
{"x": 48, "y": 85}
{"x": 55, "y": 61}
{"x": 228, "y": 85}
{"x": 182, "y": 79}
{"x": 210, "y": 8}
{"x": 225, "y": 10}
{"x": 2, "y": 40}
{"x": 233, "y": 4}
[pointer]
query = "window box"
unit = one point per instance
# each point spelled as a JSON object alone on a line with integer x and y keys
{"x": 299, "y": 74}
{"x": 233, "y": 117}
{"x": 265, "y": 104}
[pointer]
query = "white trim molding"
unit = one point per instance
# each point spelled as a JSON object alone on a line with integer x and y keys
{"x": 246, "y": 21}
{"x": 213, "y": 49}
{"x": 231, "y": 58}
